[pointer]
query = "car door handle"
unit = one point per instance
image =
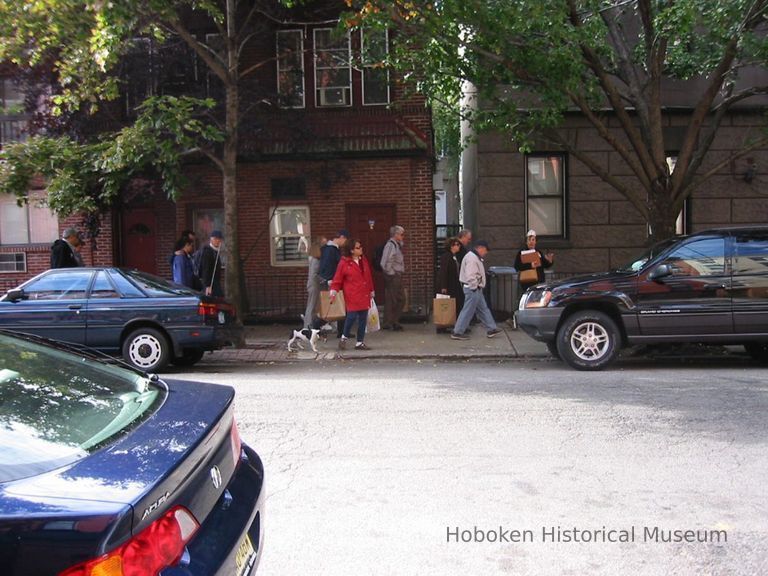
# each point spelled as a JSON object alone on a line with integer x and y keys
{"x": 75, "y": 306}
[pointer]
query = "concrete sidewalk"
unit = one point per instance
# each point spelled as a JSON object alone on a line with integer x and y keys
{"x": 268, "y": 343}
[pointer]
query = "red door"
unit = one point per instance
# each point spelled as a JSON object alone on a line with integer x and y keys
{"x": 139, "y": 236}
{"x": 370, "y": 223}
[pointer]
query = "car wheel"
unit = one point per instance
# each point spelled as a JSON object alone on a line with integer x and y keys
{"x": 189, "y": 358}
{"x": 146, "y": 349}
{"x": 588, "y": 340}
{"x": 552, "y": 347}
{"x": 758, "y": 350}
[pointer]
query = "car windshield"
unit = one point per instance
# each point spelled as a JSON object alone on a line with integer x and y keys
{"x": 157, "y": 287}
{"x": 56, "y": 407}
{"x": 637, "y": 263}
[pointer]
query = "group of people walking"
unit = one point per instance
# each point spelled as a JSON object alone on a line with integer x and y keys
{"x": 339, "y": 265}
{"x": 199, "y": 269}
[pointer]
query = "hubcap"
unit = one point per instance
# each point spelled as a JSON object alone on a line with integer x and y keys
{"x": 145, "y": 351}
{"x": 590, "y": 341}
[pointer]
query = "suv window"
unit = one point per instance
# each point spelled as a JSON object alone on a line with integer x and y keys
{"x": 704, "y": 257}
{"x": 751, "y": 255}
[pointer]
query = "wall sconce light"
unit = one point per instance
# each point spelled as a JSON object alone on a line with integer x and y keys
{"x": 371, "y": 224}
{"x": 749, "y": 175}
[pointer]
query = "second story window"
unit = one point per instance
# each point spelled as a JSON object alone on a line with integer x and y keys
{"x": 545, "y": 194}
{"x": 13, "y": 118}
{"x": 30, "y": 223}
{"x": 333, "y": 70}
{"x": 290, "y": 68}
{"x": 375, "y": 47}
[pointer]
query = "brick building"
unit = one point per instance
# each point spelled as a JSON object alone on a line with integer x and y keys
{"x": 336, "y": 143}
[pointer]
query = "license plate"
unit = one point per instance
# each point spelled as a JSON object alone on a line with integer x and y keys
{"x": 222, "y": 318}
{"x": 245, "y": 556}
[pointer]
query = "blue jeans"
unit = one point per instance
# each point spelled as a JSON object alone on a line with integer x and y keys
{"x": 362, "y": 319}
{"x": 474, "y": 301}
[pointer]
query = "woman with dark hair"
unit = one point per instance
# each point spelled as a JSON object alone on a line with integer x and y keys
{"x": 353, "y": 276}
{"x": 448, "y": 274}
{"x": 530, "y": 262}
{"x": 314, "y": 282}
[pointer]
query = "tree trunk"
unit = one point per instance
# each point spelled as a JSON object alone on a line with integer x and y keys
{"x": 662, "y": 217}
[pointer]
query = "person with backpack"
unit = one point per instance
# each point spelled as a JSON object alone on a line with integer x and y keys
{"x": 393, "y": 266}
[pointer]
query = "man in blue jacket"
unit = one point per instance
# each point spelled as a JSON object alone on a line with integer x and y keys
{"x": 330, "y": 256}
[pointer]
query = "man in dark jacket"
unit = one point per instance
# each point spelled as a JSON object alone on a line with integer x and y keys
{"x": 63, "y": 250}
{"x": 330, "y": 256}
{"x": 210, "y": 266}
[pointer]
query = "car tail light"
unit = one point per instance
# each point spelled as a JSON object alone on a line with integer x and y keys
{"x": 212, "y": 309}
{"x": 158, "y": 546}
{"x": 234, "y": 435}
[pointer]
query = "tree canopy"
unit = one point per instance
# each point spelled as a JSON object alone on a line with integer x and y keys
{"x": 532, "y": 63}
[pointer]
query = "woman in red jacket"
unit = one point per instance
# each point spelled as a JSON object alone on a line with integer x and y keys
{"x": 353, "y": 276}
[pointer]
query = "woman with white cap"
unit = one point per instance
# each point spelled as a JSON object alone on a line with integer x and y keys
{"x": 530, "y": 262}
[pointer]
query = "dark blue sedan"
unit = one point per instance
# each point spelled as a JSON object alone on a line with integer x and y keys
{"x": 106, "y": 471}
{"x": 148, "y": 320}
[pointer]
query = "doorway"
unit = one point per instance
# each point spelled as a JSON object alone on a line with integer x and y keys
{"x": 139, "y": 237}
{"x": 370, "y": 223}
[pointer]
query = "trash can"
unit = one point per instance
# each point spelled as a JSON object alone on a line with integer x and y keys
{"x": 503, "y": 291}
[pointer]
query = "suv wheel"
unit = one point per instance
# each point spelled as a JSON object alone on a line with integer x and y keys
{"x": 146, "y": 349}
{"x": 758, "y": 350}
{"x": 588, "y": 340}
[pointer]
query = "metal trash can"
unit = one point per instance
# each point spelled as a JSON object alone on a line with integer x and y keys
{"x": 503, "y": 291}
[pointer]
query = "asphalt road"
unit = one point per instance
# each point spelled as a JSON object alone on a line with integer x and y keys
{"x": 400, "y": 468}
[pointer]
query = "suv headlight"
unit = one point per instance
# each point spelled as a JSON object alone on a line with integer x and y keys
{"x": 536, "y": 299}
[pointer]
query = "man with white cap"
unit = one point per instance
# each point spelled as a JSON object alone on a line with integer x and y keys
{"x": 530, "y": 258}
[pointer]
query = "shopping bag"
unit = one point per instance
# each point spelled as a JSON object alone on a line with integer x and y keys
{"x": 335, "y": 311}
{"x": 373, "y": 324}
{"x": 444, "y": 311}
{"x": 530, "y": 276}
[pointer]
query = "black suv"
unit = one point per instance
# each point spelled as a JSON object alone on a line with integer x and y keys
{"x": 710, "y": 287}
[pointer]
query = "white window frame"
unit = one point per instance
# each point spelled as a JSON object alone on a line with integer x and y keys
{"x": 276, "y": 234}
{"x": 530, "y": 199}
{"x": 367, "y": 65}
{"x": 35, "y": 202}
{"x": 320, "y": 92}
{"x": 280, "y": 92}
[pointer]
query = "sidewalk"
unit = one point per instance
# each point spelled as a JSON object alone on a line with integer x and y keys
{"x": 268, "y": 343}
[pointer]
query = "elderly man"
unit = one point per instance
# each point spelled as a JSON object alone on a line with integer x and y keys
{"x": 63, "y": 250}
{"x": 210, "y": 266}
{"x": 393, "y": 265}
{"x": 472, "y": 278}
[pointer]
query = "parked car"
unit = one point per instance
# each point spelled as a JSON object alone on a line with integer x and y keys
{"x": 107, "y": 470}
{"x": 148, "y": 320}
{"x": 710, "y": 287}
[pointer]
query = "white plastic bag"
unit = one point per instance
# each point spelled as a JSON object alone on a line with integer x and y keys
{"x": 373, "y": 325}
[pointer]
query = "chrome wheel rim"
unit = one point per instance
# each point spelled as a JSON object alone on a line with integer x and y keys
{"x": 145, "y": 351}
{"x": 590, "y": 341}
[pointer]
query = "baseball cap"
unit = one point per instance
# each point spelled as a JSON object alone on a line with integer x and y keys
{"x": 343, "y": 232}
{"x": 530, "y": 232}
{"x": 482, "y": 243}
{"x": 217, "y": 234}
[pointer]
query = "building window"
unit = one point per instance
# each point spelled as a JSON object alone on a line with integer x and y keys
{"x": 30, "y": 223}
{"x": 290, "y": 68}
{"x": 138, "y": 74}
{"x": 374, "y": 49}
{"x": 545, "y": 194}
{"x": 289, "y": 230}
{"x": 13, "y": 117}
{"x": 333, "y": 70}
{"x": 13, "y": 262}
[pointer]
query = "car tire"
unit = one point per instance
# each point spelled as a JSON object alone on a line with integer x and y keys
{"x": 189, "y": 358}
{"x": 146, "y": 349}
{"x": 552, "y": 347}
{"x": 758, "y": 350}
{"x": 588, "y": 340}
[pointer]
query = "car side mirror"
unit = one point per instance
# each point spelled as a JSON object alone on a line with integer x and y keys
{"x": 15, "y": 294}
{"x": 661, "y": 271}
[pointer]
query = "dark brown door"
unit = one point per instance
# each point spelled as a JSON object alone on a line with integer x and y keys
{"x": 370, "y": 223}
{"x": 139, "y": 238}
